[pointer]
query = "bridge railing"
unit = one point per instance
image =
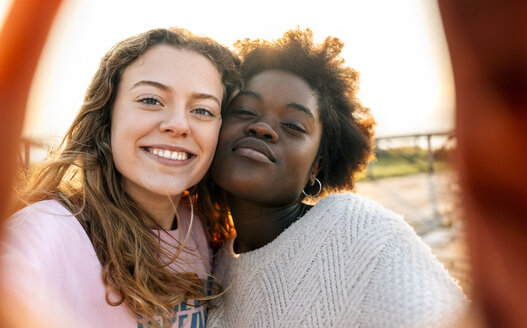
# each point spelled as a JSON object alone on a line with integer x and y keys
{"x": 422, "y": 151}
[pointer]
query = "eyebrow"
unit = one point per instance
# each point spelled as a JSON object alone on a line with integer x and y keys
{"x": 302, "y": 108}
{"x": 195, "y": 95}
{"x": 151, "y": 83}
{"x": 252, "y": 94}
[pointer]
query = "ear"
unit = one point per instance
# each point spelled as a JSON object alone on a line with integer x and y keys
{"x": 315, "y": 170}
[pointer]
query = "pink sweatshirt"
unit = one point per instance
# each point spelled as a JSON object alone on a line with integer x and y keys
{"x": 49, "y": 264}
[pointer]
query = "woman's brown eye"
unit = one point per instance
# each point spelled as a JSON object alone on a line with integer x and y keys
{"x": 243, "y": 113}
{"x": 294, "y": 127}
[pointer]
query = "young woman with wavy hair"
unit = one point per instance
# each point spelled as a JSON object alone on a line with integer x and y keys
{"x": 101, "y": 236}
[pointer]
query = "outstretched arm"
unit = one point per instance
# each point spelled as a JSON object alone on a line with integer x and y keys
{"x": 22, "y": 38}
{"x": 488, "y": 48}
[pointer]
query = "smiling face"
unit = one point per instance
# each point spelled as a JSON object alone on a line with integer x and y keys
{"x": 269, "y": 140}
{"x": 165, "y": 122}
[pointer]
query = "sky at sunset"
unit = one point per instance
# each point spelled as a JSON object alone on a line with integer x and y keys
{"x": 397, "y": 46}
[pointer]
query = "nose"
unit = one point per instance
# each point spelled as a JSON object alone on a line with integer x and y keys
{"x": 262, "y": 130}
{"x": 176, "y": 123}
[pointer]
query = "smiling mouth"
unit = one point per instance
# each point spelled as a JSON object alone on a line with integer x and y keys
{"x": 168, "y": 154}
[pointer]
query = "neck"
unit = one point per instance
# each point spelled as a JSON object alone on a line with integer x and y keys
{"x": 163, "y": 213}
{"x": 162, "y": 208}
{"x": 258, "y": 224}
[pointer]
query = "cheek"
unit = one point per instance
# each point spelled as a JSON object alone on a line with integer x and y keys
{"x": 120, "y": 135}
{"x": 130, "y": 126}
{"x": 207, "y": 137}
{"x": 228, "y": 133}
{"x": 118, "y": 141}
{"x": 302, "y": 159}
{"x": 125, "y": 131}
{"x": 116, "y": 138}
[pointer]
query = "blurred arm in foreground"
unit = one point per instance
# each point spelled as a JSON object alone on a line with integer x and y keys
{"x": 22, "y": 38}
{"x": 488, "y": 48}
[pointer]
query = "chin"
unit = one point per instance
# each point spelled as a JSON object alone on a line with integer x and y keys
{"x": 166, "y": 190}
{"x": 250, "y": 193}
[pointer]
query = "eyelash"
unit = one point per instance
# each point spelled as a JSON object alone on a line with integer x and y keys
{"x": 294, "y": 127}
{"x": 207, "y": 112}
{"x": 243, "y": 112}
{"x": 150, "y": 98}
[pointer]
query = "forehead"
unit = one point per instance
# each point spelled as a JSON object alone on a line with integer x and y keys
{"x": 170, "y": 65}
{"x": 283, "y": 87}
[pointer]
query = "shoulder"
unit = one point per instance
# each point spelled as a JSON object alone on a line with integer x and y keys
{"x": 39, "y": 235}
{"x": 369, "y": 223}
{"x": 360, "y": 213}
{"x": 351, "y": 204}
{"x": 43, "y": 225}
{"x": 46, "y": 207}
{"x": 382, "y": 235}
{"x": 405, "y": 280}
{"x": 43, "y": 214}
{"x": 359, "y": 227}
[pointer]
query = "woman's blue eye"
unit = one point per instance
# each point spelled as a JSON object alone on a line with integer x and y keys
{"x": 203, "y": 112}
{"x": 150, "y": 101}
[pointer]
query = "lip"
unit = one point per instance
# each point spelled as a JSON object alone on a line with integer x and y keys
{"x": 253, "y": 148}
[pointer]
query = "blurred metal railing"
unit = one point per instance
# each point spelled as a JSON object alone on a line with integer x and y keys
{"x": 29, "y": 145}
{"x": 430, "y": 142}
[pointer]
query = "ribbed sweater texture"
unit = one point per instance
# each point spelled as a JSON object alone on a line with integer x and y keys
{"x": 348, "y": 262}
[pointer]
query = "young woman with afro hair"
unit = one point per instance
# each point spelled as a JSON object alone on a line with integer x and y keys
{"x": 294, "y": 133}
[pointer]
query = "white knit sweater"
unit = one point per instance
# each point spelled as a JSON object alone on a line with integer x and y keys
{"x": 348, "y": 262}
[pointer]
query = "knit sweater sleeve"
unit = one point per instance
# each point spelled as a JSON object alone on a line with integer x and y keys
{"x": 409, "y": 287}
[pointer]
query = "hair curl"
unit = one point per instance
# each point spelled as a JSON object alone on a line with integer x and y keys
{"x": 82, "y": 176}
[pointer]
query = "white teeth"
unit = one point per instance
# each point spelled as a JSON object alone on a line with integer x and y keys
{"x": 176, "y": 155}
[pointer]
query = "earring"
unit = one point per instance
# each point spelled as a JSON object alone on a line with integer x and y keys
{"x": 319, "y": 189}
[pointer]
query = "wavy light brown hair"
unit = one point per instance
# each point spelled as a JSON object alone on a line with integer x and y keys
{"x": 346, "y": 145}
{"x": 82, "y": 176}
